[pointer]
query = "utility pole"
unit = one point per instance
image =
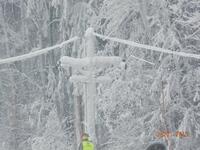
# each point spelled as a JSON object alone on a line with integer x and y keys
{"x": 86, "y": 67}
{"x": 91, "y": 86}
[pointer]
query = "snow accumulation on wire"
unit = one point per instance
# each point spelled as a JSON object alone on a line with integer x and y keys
{"x": 36, "y": 53}
{"x": 153, "y": 48}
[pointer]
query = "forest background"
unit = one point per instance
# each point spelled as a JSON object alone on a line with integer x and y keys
{"x": 36, "y": 97}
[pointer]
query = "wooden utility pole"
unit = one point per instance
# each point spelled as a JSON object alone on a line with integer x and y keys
{"x": 78, "y": 116}
{"x": 91, "y": 86}
{"x": 87, "y": 67}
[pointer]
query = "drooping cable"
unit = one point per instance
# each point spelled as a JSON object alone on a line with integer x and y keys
{"x": 148, "y": 47}
{"x": 36, "y": 53}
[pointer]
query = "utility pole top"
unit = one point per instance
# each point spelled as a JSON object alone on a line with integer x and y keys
{"x": 89, "y": 32}
{"x": 90, "y": 42}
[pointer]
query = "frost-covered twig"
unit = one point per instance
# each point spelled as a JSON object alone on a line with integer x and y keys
{"x": 142, "y": 60}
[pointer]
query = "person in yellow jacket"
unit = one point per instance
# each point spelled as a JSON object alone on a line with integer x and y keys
{"x": 86, "y": 144}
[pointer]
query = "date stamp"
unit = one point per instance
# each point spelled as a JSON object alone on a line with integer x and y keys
{"x": 168, "y": 134}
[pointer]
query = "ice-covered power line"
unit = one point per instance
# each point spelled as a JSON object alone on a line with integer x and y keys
{"x": 36, "y": 53}
{"x": 153, "y": 48}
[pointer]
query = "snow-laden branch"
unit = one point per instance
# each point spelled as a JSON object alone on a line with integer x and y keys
{"x": 36, "y": 53}
{"x": 81, "y": 78}
{"x": 140, "y": 59}
{"x": 153, "y": 48}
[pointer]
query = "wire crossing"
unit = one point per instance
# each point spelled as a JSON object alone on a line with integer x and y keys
{"x": 36, "y": 53}
{"x": 153, "y": 48}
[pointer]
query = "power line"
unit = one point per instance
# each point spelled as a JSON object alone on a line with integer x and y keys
{"x": 36, "y": 53}
{"x": 131, "y": 43}
{"x": 153, "y": 48}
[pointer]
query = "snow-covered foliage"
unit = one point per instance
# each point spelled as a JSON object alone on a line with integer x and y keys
{"x": 36, "y": 96}
{"x": 150, "y": 99}
{"x": 53, "y": 137}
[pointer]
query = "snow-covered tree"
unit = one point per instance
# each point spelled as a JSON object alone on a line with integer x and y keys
{"x": 36, "y": 100}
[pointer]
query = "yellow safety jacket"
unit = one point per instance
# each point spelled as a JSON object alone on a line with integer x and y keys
{"x": 87, "y": 145}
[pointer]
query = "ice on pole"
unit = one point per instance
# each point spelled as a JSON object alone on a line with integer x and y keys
{"x": 88, "y": 64}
